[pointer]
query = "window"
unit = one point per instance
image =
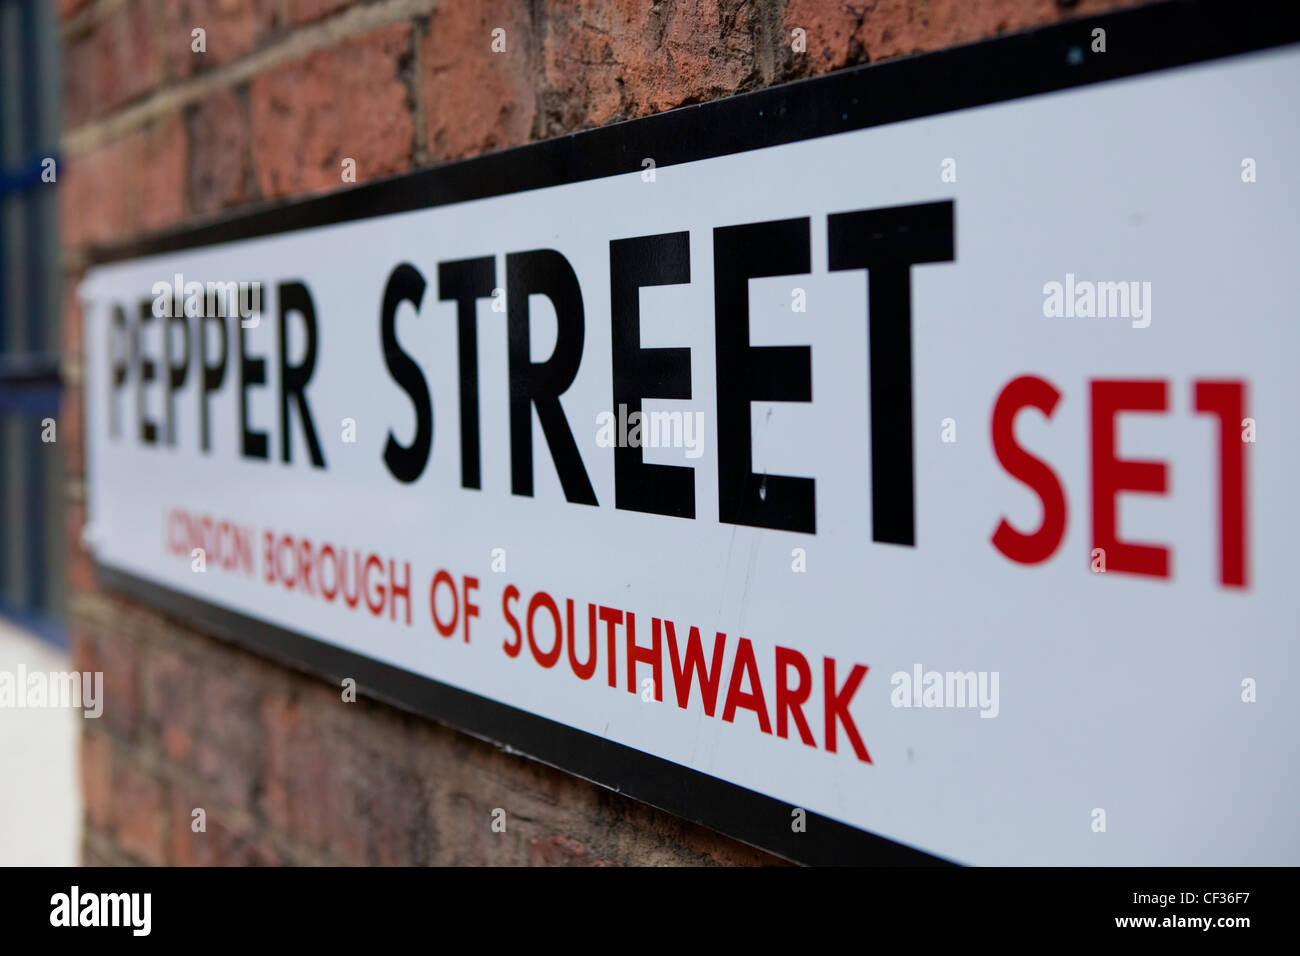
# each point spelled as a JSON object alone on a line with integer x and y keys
{"x": 31, "y": 460}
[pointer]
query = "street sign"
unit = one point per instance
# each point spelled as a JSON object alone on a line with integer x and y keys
{"x": 899, "y": 459}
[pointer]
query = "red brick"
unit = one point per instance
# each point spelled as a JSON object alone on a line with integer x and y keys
{"x": 126, "y": 59}
{"x": 70, "y": 333}
{"x": 159, "y": 155}
{"x": 171, "y": 685}
{"x": 349, "y": 101}
{"x": 232, "y": 27}
{"x": 82, "y": 649}
{"x": 71, "y": 432}
{"x": 132, "y": 184}
{"x": 78, "y": 564}
{"x": 477, "y": 100}
{"x": 609, "y": 61}
{"x": 382, "y": 797}
{"x": 93, "y": 195}
{"x": 304, "y": 11}
{"x": 280, "y": 717}
{"x": 307, "y": 785}
{"x": 186, "y": 846}
{"x": 218, "y": 843}
{"x": 79, "y": 68}
{"x": 97, "y": 777}
{"x": 215, "y": 846}
{"x": 560, "y": 851}
{"x": 219, "y": 153}
{"x": 71, "y": 402}
{"x": 462, "y": 829}
{"x": 117, "y": 658}
{"x": 842, "y": 33}
{"x": 227, "y": 737}
{"x": 353, "y": 830}
{"x": 140, "y": 824}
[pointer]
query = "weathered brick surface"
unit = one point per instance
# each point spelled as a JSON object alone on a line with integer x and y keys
{"x": 219, "y": 136}
{"x": 139, "y": 813}
{"x": 348, "y": 102}
{"x": 304, "y": 11}
{"x": 97, "y": 779}
{"x": 117, "y": 657}
{"x": 296, "y": 775}
{"x": 71, "y": 331}
{"x": 608, "y": 61}
{"x": 158, "y": 153}
{"x": 215, "y": 837}
{"x": 131, "y": 185}
{"x": 171, "y": 684}
{"x": 126, "y": 58}
{"x": 78, "y": 61}
{"x": 93, "y": 201}
{"x": 841, "y": 33}
{"x": 476, "y": 99}
{"x": 70, "y": 433}
{"x": 284, "y": 770}
{"x": 110, "y": 60}
{"x": 231, "y": 29}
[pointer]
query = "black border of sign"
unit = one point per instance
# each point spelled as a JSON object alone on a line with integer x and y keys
{"x": 1143, "y": 40}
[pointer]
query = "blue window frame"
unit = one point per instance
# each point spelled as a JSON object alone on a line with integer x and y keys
{"x": 32, "y": 582}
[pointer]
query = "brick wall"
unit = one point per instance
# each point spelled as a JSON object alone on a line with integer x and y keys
{"x": 157, "y": 135}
